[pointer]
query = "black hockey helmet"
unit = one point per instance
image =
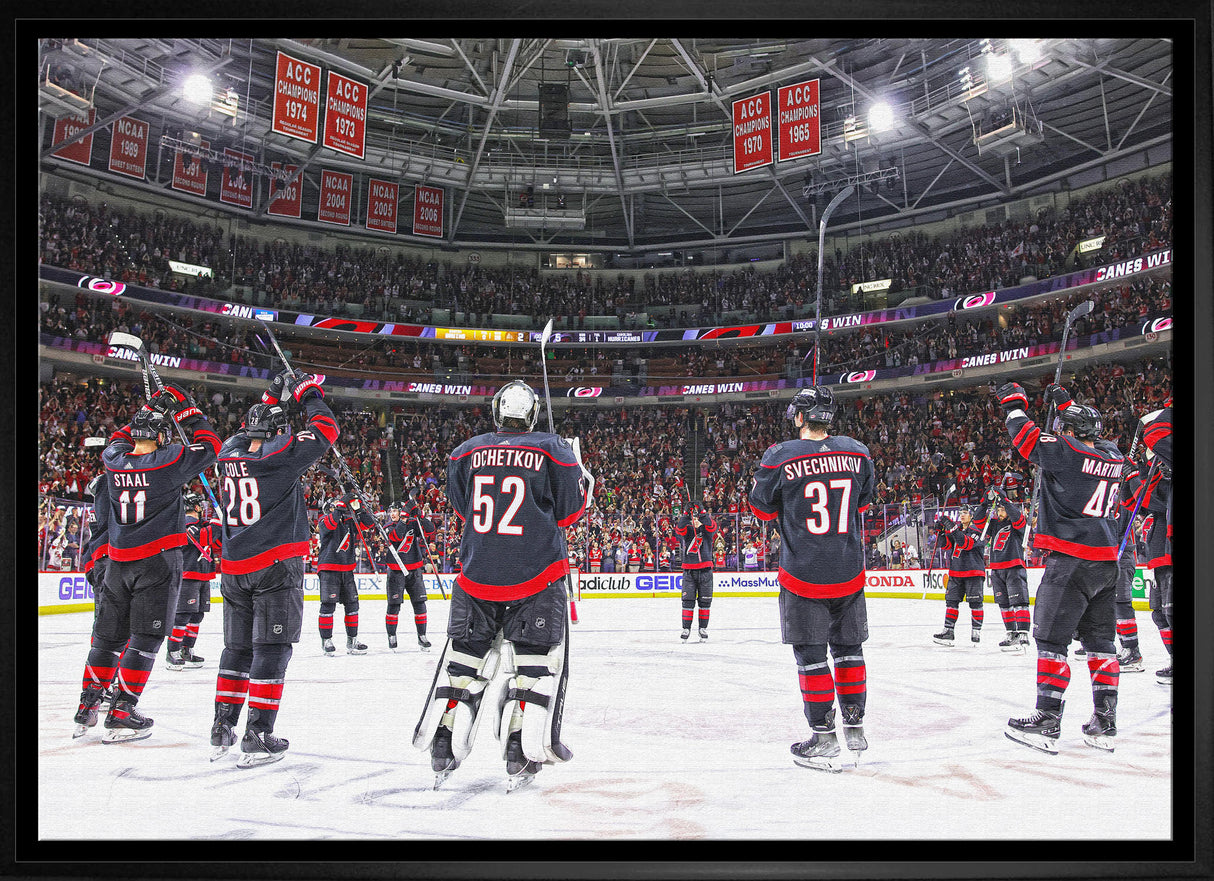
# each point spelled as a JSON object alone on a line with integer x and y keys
{"x": 516, "y": 401}
{"x": 192, "y": 500}
{"x": 816, "y": 403}
{"x": 1083, "y": 421}
{"x": 149, "y": 425}
{"x": 335, "y": 505}
{"x": 264, "y": 421}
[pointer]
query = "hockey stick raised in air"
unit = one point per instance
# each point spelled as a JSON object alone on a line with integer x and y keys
{"x": 1142, "y": 491}
{"x": 1075, "y": 314}
{"x": 931, "y": 562}
{"x": 129, "y": 341}
{"x": 544, "y": 366}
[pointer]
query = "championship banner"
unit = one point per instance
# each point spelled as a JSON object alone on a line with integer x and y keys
{"x": 346, "y": 115}
{"x": 798, "y": 119}
{"x": 286, "y": 201}
{"x": 79, "y": 151}
{"x": 129, "y": 147}
{"x": 752, "y": 132}
{"x": 335, "y": 191}
{"x": 236, "y": 183}
{"x": 296, "y": 99}
{"x": 381, "y": 205}
{"x": 428, "y": 211}
{"x": 189, "y": 172}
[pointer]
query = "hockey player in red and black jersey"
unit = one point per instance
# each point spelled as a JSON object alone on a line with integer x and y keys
{"x": 816, "y": 487}
{"x": 1008, "y": 576}
{"x": 265, "y": 541}
{"x": 341, "y": 529}
{"x": 1156, "y": 501}
{"x": 1157, "y": 437}
{"x": 695, "y": 529}
{"x": 95, "y": 553}
{"x": 408, "y": 531}
{"x": 966, "y": 573}
{"x": 194, "y": 598}
{"x": 144, "y": 475}
{"x": 1080, "y": 474}
{"x": 515, "y": 489}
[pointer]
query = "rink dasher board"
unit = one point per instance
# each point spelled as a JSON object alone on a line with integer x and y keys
{"x": 60, "y": 592}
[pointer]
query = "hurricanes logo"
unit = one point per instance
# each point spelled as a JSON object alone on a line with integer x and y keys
{"x": 585, "y": 391}
{"x": 976, "y": 301}
{"x": 1156, "y": 325}
{"x": 101, "y": 285}
{"x": 858, "y": 376}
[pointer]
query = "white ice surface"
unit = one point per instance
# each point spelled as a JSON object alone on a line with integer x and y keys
{"x": 670, "y": 740}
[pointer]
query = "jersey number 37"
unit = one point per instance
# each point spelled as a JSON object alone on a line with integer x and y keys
{"x": 819, "y": 523}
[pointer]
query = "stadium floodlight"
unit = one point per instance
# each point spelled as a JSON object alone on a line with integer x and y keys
{"x": 1028, "y": 51}
{"x": 998, "y": 68}
{"x": 880, "y": 117}
{"x": 198, "y": 90}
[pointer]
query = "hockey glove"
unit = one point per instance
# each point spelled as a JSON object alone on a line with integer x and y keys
{"x": 302, "y": 385}
{"x": 274, "y": 393}
{"x": 1129, "y": 470}
{"x": 1012, "y": 397}
{"x": 172, "y": 401}
{"x": 1058, "y": 396}
{"x": 944, "y": 523}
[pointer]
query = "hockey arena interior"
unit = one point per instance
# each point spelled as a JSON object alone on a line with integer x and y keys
{"x": 657, "y": 259}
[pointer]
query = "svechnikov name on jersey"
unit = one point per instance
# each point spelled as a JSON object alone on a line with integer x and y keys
{"x": 823, "y": 462}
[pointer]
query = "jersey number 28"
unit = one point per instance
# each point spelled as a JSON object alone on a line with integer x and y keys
{"x": 245, "y": 510}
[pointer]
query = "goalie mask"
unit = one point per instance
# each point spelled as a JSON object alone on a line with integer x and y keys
{"x": 816, "y": 404}
{"x": 516, "y": 405}
{"x": 1083, "y": 421}
{"x": 264, "y": 421}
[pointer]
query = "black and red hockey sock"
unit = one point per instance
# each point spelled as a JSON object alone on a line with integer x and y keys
{"x": 419, "y": 621}
{"x": 950, "y": 617}
{"x": 688, "y": 614}
{"x": 351, "y": 622}
{"x": 704, "y": 616}
{"x": 326, "y": 625}
{"x": 1053, "y": 677}
{"x": 851, "y": 678}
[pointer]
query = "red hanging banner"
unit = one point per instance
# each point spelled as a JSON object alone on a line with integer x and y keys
{"x": 798, "y": 120}
{"x": 382, "y": 198}
{"x": 336, "y": 188}
{"x": 129, "y": 147}
{"x": 286, "y": 200}
{"x": 79, "y": 151}
{"x": 296, "y": 98}
{"x": 752, "y": 132}
{"x": 345, "y": 115}
{"x": 236, "y": 182}
{"x": 428, "y": 211}
{"x": 190, "y": 172}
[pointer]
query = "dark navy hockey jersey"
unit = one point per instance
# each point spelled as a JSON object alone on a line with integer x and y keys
{"x": 515, "y": 492}
{"x": 966, "y": 558}
{"x": 408, "y": 537}
{"x": 816, "y": 491}
{"x": 1004, "y": 536}
{"x": 696, "y": 543}
{"x": 340, "y": 537}
{"x": 198, "y": 558}
{"x": 99, "y": 523}
{"x": 1079, "y": 490}
{"x": 146, "y": 513}
{"x": 1155, "y": 501}
{"x": 265, "y": 516}
{"x": 1157, "y": 435}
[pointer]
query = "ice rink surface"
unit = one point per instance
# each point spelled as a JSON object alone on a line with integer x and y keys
{"x": 671, "y": 741}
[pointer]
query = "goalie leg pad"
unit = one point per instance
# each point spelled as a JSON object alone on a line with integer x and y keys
{"x": 457, "y": 702}
{"x": 527, "y": 703}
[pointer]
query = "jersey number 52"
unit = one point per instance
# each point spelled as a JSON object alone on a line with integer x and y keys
{"x": 484, "y": 504}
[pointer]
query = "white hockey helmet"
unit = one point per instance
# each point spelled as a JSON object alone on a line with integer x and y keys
{"x": 516, "y": 401}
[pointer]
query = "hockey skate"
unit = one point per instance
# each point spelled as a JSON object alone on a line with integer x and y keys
{"x": 442, "y": 759}
{"x": 1023, "y": 636}
{"x": 124, "y": 722}
{"x": 260, "y": 748}
{"x": 1100, "y": 730}
{"x": 175, "y": 660}
{"x": 853, "y": 730}
{"x": 975, "y": 637}
{"x": 944, "y": 637}
{"x": 821, "y": 751}
{"x": 191, "y": 660}
{"x": 392, "y": 641}
{"x": 90, "y": 706}
{"x": 1164, "y": 676}
{"x": 703, "y": 634}
{"x": 1011, "y": 643}
{"x": 1130, "y": 661}
{"x": 223, "y": 737}
{"x": 686, "y": 633}
{"x": 1040, "y": 730}
{"x": 520, "y": 769}
{"x": 327, "y": 646}
{"x": 423, "y": 643}
{"x": 354, "y": 647}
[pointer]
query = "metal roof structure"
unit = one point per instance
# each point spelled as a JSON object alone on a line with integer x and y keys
{"x": 643, "y": 150}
